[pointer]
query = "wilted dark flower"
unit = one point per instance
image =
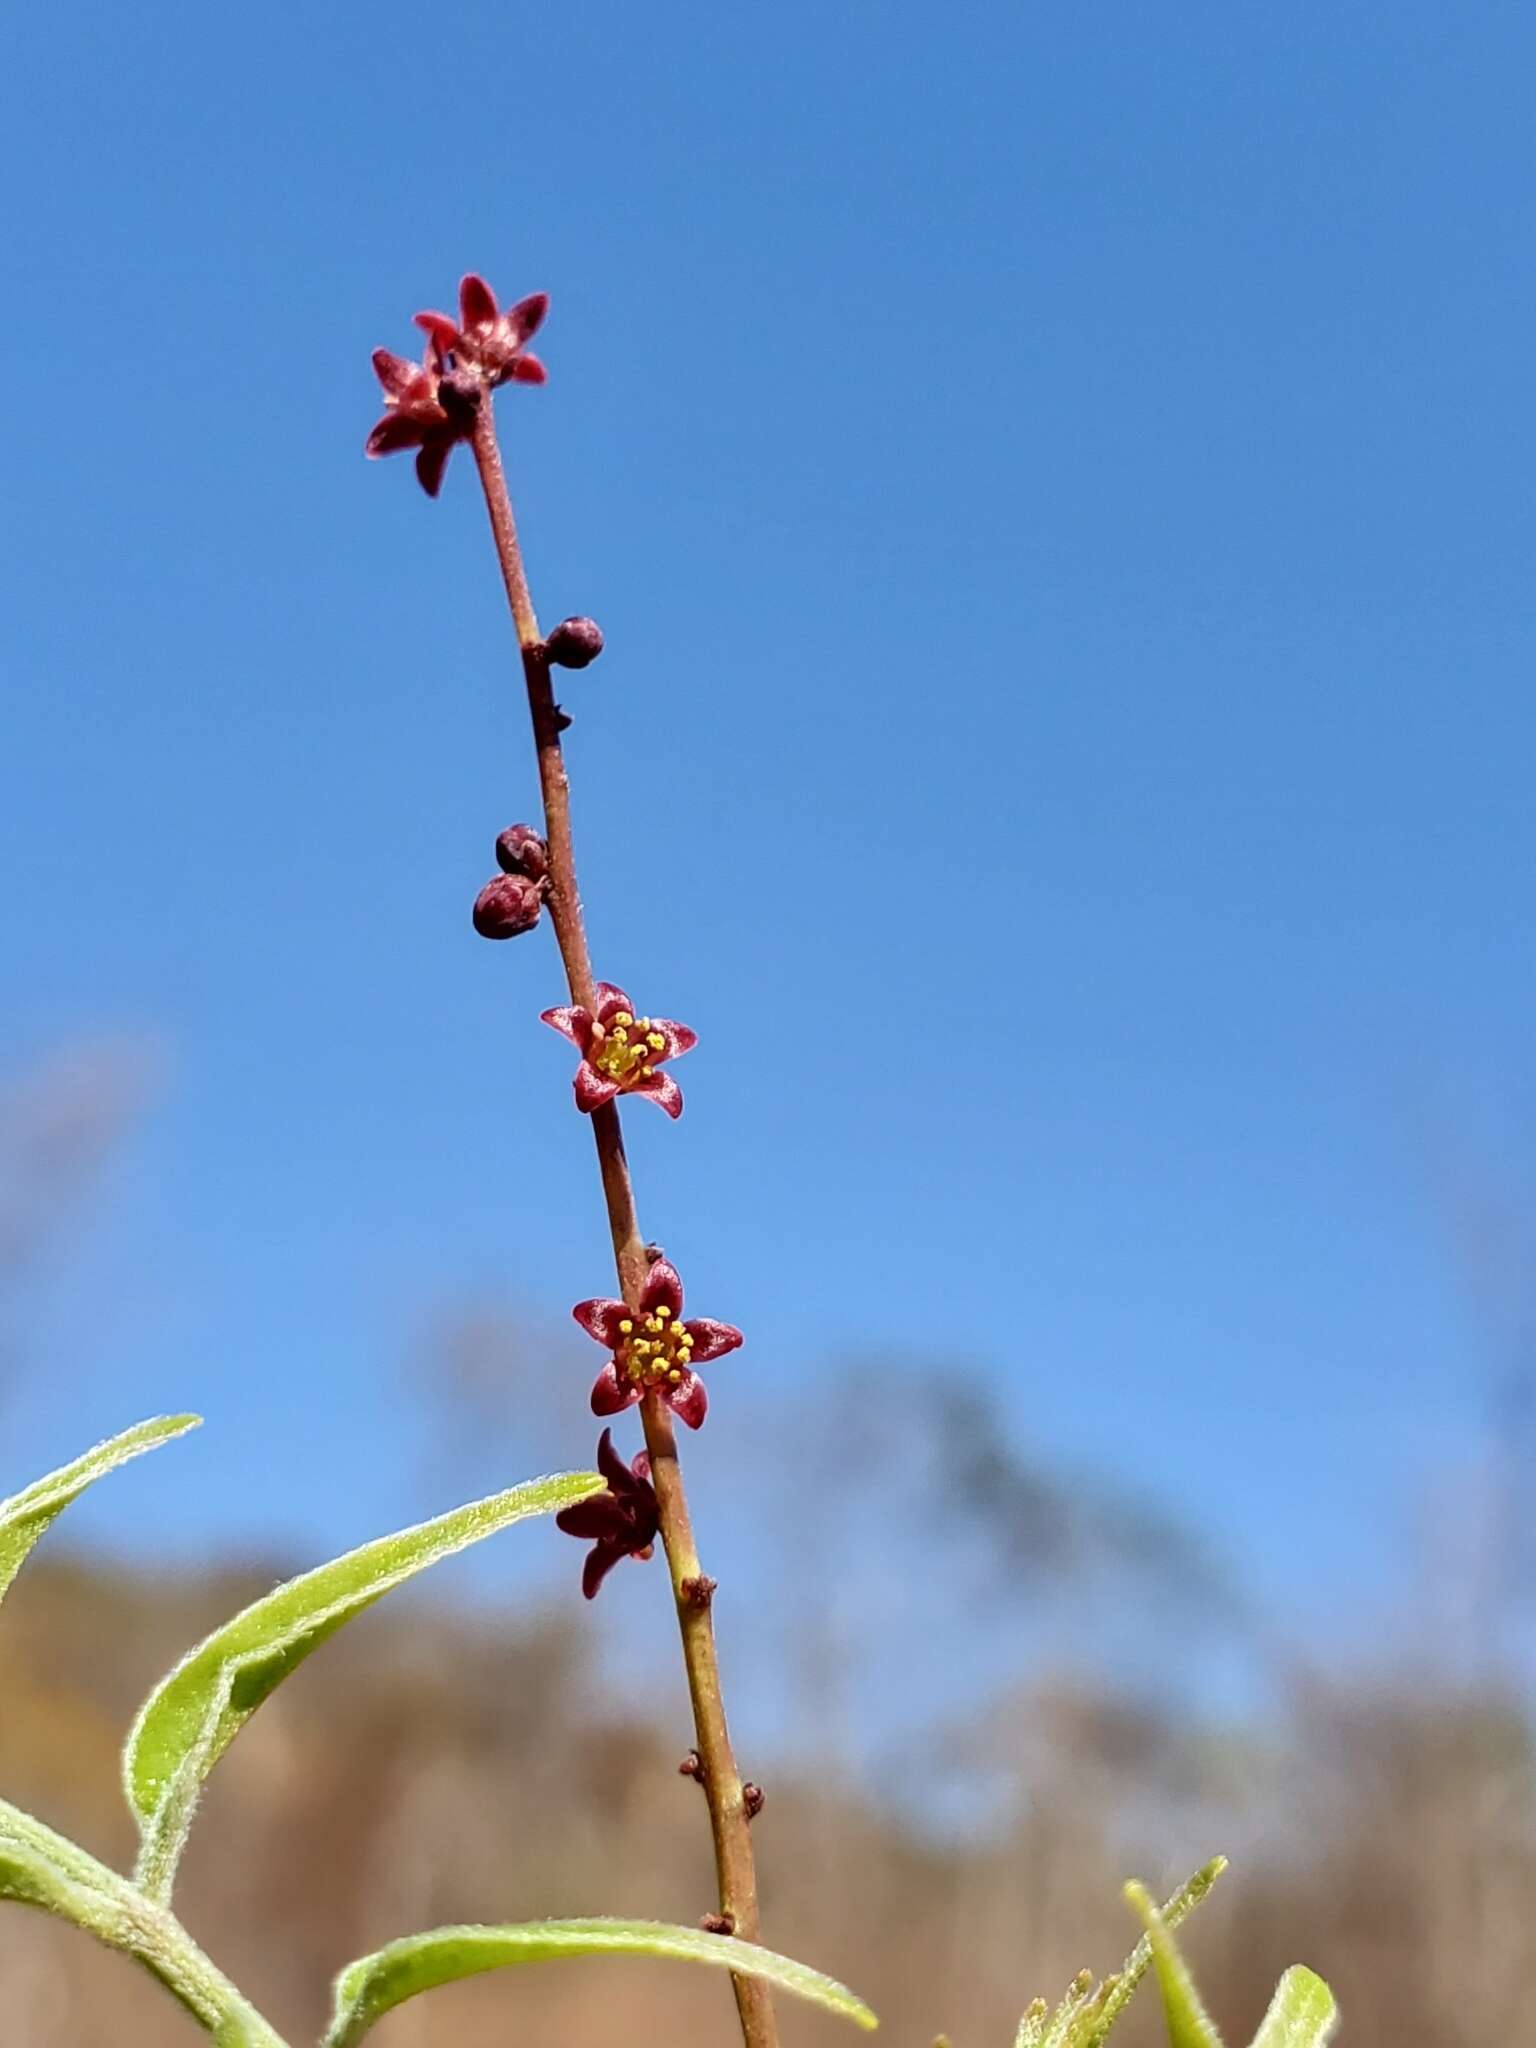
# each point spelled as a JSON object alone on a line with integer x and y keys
{"x": 487, "y": 340}
{"x": 574, "y": 643}
{"x": 654, "y": 1350}
{"x": 522, "y": 851}
{"x": 507, "y": 906}
{"x": 619, "y": 1523}
{"x": 620, "y": 1052}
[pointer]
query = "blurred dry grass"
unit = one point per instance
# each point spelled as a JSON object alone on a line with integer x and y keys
{"x": 422, "y": 1770}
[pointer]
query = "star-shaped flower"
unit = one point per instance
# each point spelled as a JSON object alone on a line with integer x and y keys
{"x": 654, "y": 1350}
{"x": 415, "y": 415}
{"x": 431, "y": 404}
{"x": 620, "y": 1052}
{"x": 619, "y": 1523}
{"x": 485, "y": 339}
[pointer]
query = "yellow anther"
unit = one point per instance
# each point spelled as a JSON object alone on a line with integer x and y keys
{"x": 625, "y": 1326}
{"x": 622, "y": 1017}
{"x": 655, "y": 1041}
{"x": 663, "y": 1311}
{"x": 674, "y": 1376}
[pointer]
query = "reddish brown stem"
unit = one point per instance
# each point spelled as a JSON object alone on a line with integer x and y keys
{"x": 690, "y": 1588}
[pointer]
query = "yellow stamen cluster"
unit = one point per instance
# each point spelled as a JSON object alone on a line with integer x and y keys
{"x": 654, "y": 1350}
{"x": 625, "y": 1048}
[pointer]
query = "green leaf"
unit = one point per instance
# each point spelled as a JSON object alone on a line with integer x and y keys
{"x": 1115, "y": 1992}
{"x": 1301, "y": 2015}
{"x": 26, "y": 1515}
{"x": 193, "y": 1715}
{"x": 374, "y": 1985}
{"x": 1189, "y": 2024}
{"x": 39, "y": 1868}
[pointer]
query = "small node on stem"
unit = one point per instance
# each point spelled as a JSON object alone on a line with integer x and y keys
{"x": 719, "y": 1923}
{"x": 699, "y": 1590}
{"x": 692, "y": 1766}
{"x": 654, "y": 1253}
{"x": 753, "y": 1799}
{"x": 507, "y": 906}
{"x": 575, "y": 643}
{"x": 560, "y": 718}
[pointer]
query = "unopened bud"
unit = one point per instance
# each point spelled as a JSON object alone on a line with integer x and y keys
{"x": 520, "y": 851}
{"x": 752, "y": 1799}
{"x": 574, "y": 643}
{"x": 506, "y": 906}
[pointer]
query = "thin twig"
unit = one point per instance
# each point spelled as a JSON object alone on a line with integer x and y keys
{"x": 718, "y": 1770}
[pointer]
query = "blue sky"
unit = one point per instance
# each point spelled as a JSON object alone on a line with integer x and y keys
{"x": 1057, "y": 486}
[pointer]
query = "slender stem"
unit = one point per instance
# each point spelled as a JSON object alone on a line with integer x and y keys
{"x": 690, "y": 1588}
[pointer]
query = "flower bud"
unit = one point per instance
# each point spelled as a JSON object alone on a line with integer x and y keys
{"x": 574, "y": 643}
{"x": 520, "y": 851}
{"x": 506, "y": 906}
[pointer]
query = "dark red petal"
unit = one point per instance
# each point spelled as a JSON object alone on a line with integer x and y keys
{"x": 687, "y": 1400}
{"x": 592, "y": 1088}
{"x": 610, "y": 1394}
{"x": 611, "y": 997}
{"x": 663, "y": 1288}
{"x": 609, "y": 1463}
{"x": 395, "y": 431}
{"x": 526, "y": 318}
{"x": 600, "y": 1562}
{"x": 640, "y": 1465}
{"x": 601, "y": 1319}
{"x": 527, "y": 370}
{"x": 663, "y": 1090}
{"x": 571, "y": 1022}
{"x": 477, "y": 303}
{"x": 602, "y": 1519}
{"x": 680, "y": 1038}
{"x": 711, "y": 1339}
{"x": 394, "y": 373}
{"x": 442, "y": 332}
{"x": 430, "y": 464}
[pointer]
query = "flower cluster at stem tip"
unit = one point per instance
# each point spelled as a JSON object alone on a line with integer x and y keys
{"x": 430, "y": 406}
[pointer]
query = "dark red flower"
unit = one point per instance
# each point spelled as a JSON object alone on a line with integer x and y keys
{"x": 487, "y": 340}
{"x": 619, "y": 1523}
{"x": 620, "y": 1052}
{"x": 430, "y": 405}
{"x": 654, "y": 1350}
{"x": 415, "y": 416}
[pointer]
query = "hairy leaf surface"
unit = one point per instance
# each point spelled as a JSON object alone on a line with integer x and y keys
{"x": 42, "y": 1869}
{"x": 28, "y": 1514}
{"x": 1302, "y": 2014}
{"x": 374, "y": 1985}
{"x": 1189, "y": 2024}
{"x": 193, "y": 1715}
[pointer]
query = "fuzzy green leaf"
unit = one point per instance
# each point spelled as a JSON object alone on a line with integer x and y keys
{"x": 39, "y": 1868}
{"x": 1301, "y": 2015}
{"x": 374, "y": 1985}
{"x": 1189, "y": 2024}
{"x": 193, "y": 1715}
{"x": 1115, "y": 1992}
{"x": 1086, "y": 2014}
{"x": 28, "y": 1514}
